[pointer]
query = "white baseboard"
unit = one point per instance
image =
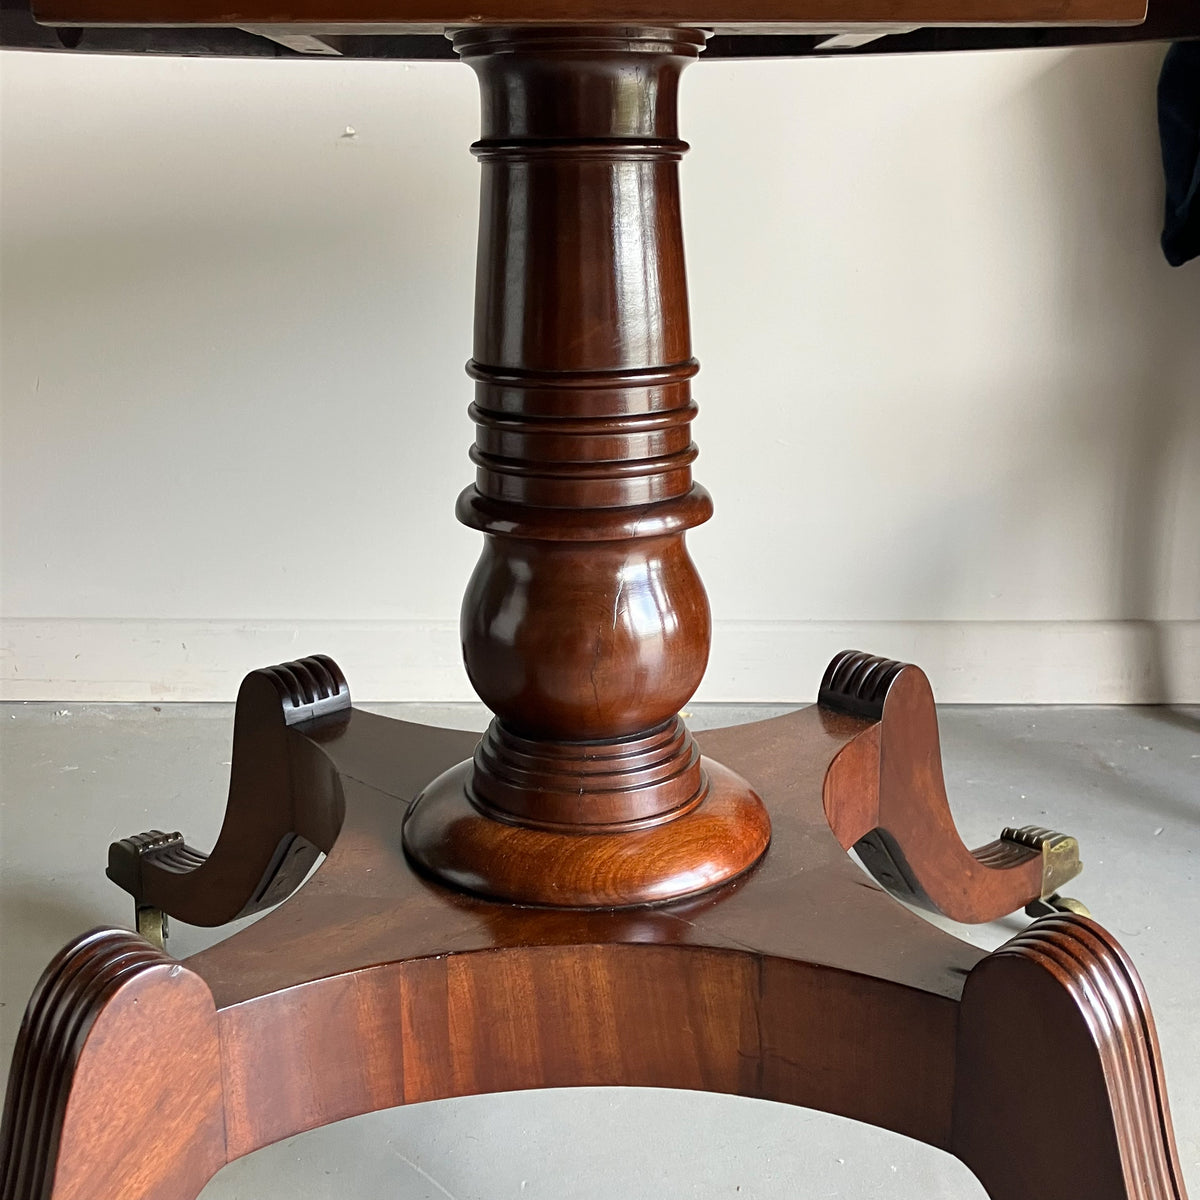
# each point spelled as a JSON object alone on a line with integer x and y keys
{"x": 969, "y": 662}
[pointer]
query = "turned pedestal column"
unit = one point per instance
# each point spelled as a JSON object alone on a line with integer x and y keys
{"x": 585, "y": 626}
{"x": 398, "y": 973}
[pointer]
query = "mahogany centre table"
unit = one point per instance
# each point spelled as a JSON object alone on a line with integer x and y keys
{"x": 588, "y": 895}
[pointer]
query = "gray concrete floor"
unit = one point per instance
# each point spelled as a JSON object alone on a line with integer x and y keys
{"x": 1126, "y": 782}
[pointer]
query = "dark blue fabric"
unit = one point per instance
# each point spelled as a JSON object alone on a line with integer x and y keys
{"x": 1179, "y": 129}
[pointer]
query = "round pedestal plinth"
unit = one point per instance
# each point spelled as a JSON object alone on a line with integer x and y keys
{"x": 710, "y": 843}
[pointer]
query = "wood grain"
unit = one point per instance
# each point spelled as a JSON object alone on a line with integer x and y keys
{"x": 661, "y": 940}
{"x": 1058, "y": 1015}
{"x": 799, "y": 982}
{"x": 887, "y": 799}
{"x": 585, "y": 626}
{"x": 115, "y": 1088}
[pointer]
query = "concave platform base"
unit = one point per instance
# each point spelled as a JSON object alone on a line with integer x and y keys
{"x": 801, "y": 981}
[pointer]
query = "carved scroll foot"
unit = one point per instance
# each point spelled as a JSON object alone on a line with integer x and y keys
{"x": 1058, "y": 1014}
{"x": 276, "y": 823}
{"x": 115, "y": 1087}
{"x": 886, "y": 798}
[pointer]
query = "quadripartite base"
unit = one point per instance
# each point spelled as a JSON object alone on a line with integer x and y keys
{"x": 798, "y": 981}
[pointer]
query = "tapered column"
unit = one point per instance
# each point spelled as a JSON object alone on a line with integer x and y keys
{"x": 585, "y": 625}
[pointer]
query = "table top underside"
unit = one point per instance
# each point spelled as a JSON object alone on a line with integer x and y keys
{"x": 416, "y": 29}
{"x": 426, "y": 16}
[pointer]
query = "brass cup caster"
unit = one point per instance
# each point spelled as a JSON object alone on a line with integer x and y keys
{"x": 152, "y": 925}
{"x": 1056, "y": 904}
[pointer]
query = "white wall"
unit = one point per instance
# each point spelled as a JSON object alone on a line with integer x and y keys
{"x": 950, "y": 391}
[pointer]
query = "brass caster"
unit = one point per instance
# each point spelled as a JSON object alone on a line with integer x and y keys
{"x": 152, "y": 925}
{"x": 1060, "y": 854}
{"x": 1056, "y": 904}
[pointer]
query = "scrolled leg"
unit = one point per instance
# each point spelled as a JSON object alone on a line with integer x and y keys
{"x": 115, "y": 1087}
{"x": 1060, "y": 1089}
{"x": 268, "y": 841}
{"x": 886, "y": 798}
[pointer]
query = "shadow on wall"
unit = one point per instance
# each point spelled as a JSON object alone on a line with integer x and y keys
{"x": 199, "y": 303}
{"x": 1153, "y": 421}
{"x": 1114, "y": 448}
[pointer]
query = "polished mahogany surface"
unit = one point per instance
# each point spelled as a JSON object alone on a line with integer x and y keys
{"x": 137, "y": 1076}
{"x": 767, "y": 15}
{"x": 657, "y": 939}
{"x": 287, "y": 33}
{"x": 585, "y": 626}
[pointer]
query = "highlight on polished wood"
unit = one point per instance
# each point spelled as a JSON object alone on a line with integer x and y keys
{"x": 800, "y": 982}
{"x": 589, "y": 894}
{"x": 268, "y": 842}
{"x": 585, "y": 626}
{"x": 892, "y": 809}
